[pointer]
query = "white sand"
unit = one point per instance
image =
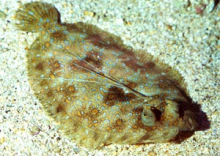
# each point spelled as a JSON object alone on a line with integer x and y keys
{"x": 179, "y": 35}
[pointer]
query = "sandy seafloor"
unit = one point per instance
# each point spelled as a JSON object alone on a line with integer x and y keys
{"x": 184, "y": 34}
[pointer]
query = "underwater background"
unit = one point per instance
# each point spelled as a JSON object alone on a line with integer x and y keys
{"x": 183, "y": 34}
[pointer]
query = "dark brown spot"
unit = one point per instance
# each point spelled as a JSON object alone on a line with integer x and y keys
{"x": 60, "y": 108}
{"x": 138, "y": 110}
{"x": 94, "y": 59}
{"x": 116, "y": 94}
{"x": 39, "y": 66}
{"x": 44, "y": 83}
{"x": 130, "y": 60}
{"x": 105, "y": 41}
{"x": 163, "y": 82}
{"x": 163, "y": 86}
{"x": 58, "y": 35}
{"x": 49, "y": 94}
{"x": 91, "y": 62}
{"x": 75, "y": 66}
{"x": 95, "y": 39}
{"x": 149, "y": 65}
{"x": 132, "y": 85}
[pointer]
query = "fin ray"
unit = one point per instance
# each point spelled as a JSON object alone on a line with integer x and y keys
{"x": 35, "y": 17}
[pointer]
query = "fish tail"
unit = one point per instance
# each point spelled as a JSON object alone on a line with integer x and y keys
{"x": 36, "y": 17}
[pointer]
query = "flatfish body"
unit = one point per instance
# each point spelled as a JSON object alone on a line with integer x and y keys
{"x": 97, "y": 89}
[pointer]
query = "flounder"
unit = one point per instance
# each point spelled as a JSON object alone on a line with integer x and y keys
{"x": 99, "y": 90}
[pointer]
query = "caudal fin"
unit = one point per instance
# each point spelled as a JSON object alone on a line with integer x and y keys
{"x": 36, "y": 17}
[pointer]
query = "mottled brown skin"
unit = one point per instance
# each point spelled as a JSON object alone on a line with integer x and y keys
{"x": 99, "y": 90}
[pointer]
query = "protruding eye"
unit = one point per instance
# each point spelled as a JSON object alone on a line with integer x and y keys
{"x": 148, "y": 117}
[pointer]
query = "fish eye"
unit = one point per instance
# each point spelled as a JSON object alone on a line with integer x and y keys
{"x": 148, "y": 117}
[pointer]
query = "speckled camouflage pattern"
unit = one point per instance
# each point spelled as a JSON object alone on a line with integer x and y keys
{"x": 99, "y": 90}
